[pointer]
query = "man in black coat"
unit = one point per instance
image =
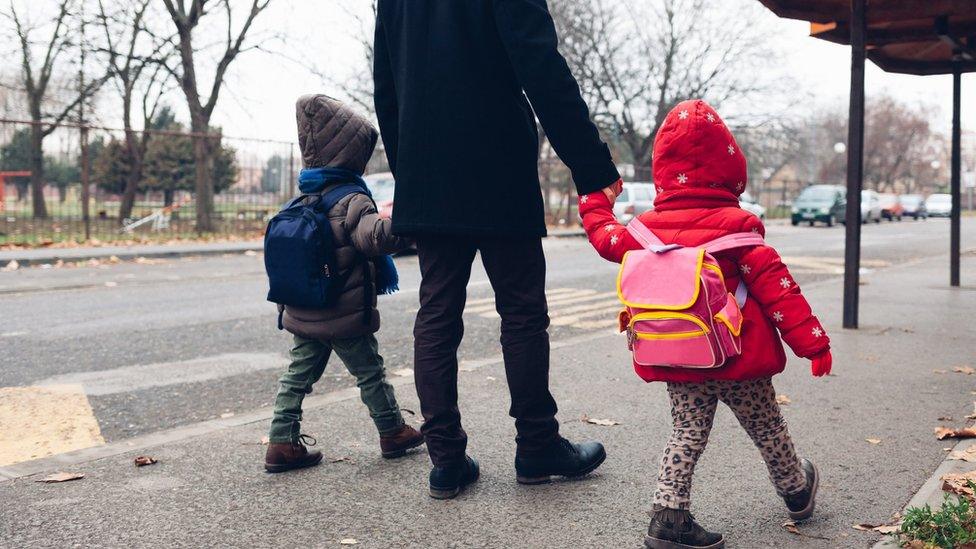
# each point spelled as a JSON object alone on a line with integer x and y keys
{"x": 451, "y": 80}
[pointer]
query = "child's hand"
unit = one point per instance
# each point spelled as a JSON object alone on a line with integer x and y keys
{"x": 613, "y": 191}
{"x": 821, "y": 364}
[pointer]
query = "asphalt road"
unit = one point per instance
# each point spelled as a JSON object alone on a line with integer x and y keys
{"x": 163, "y": 343}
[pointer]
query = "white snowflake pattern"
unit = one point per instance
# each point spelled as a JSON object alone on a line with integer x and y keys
{"x": 613, "y": 240}
{"x": 608, "y": 228}
{"x": 710, "y": 117}
{"x": 817, "y": 332}
{"x": 584, "y": 198}
{"x": 740, "y": 186}
{"x": 745, "y": 269}
{"x": 755, "y": 230}
{"x": 682, "y": 178}
{"x": 660, "y": 189}
{"x": 778, "y": 316}
{"x": 683, "y": 114}
{"x": 785, "y": 282}
{"x": 731, "y": 149}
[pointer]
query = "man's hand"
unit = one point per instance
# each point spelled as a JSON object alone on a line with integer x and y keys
{"x": 613, "y": 191}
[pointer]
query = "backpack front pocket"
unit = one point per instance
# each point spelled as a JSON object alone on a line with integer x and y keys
{"x": 672, "y": 339}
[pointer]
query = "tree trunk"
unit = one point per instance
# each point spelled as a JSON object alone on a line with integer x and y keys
{"x": 203, "y": 172}
{"x": 37, "y": 171}
{"x": 133, "y": 177}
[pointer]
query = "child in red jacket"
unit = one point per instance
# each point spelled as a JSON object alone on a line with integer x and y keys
{"x": 699, "y": 173}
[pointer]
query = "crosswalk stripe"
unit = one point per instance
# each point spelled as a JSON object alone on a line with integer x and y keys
{"x": 573, "y": 320}
{"x": 597, "y": 324}
{"x": 601, "y": 306}
{"x": 44, "y": 421}
{"x": 555, "y": 292}
{"x": 578, "y": 296}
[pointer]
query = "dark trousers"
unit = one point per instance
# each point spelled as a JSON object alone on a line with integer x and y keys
{"x": 516, "y": 268}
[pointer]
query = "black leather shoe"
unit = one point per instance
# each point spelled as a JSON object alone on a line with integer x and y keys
{"x": 801, "y": 504}
{"x": 677, "y": 529}
{"x": 447, "y": 482}
{"x": 561, "y": 459}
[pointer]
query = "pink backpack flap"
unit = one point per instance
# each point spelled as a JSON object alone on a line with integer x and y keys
{"x": 681, "y": 314}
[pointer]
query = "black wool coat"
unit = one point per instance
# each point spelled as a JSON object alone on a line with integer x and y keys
{"x": 451, "y": 80}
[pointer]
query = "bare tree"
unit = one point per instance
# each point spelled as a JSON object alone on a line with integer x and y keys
{"x": 36, "y": 75}
{"x": 356, "y": 85}
{"x": 135, "y": 57}
{"x": 187, "y": 15}
{"x": 636, "y": 60}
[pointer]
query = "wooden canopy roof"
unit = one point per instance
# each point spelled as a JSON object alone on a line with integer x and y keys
{"x": 905, "y": 36}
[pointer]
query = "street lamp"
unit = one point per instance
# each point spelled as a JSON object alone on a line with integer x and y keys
{"x": 840, "y": 147}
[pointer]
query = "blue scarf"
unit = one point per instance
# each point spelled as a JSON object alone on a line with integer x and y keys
{"x": 315, "y": 180}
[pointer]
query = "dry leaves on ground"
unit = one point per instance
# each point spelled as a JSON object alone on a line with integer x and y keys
{"x": 402, "y": 372}
{"x": 942, "y": 433}
{"x": 879, "y": 528}
{"x": 969, "y": 454}
{"x": 940, "y": 371}
{"x": 873, "y": 440}
{"x": 142, "y": 461}
{"x": 968, "y": 370}
{"x": 959, "y": 484}
{"x": 348, "y": 541}
{"x": 603, "y": 422}
{"x": 783, "y": 399}
{"x": 972, "y": 415}
{"x": 226, "y": 415}
{"x": 944, "y": 418}
{"x": 341, "y": 459}
{"x": 61, "y": 477}
{"x": 791, "y": 527}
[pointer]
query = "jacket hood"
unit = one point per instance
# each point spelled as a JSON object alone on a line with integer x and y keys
{"x": 697, "y": 162}
{"x": 333, "y": 135}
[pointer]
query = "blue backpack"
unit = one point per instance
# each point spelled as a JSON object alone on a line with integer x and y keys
{"x": 299, "y": 252}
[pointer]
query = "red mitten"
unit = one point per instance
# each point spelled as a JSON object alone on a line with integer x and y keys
{"x": 820, "y": 364}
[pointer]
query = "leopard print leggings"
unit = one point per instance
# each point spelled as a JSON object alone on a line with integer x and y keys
{"x": 693, "y": 408}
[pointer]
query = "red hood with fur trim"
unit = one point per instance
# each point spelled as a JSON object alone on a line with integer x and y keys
{"x": 697, "y": 162}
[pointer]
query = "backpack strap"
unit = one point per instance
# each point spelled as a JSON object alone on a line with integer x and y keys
{"x": 732, "y": 241}
{"x": 646, "y": 238}
{"x": 329, "y": 199}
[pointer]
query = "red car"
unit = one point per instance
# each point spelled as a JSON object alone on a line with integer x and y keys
{"x": 891, "y": 208}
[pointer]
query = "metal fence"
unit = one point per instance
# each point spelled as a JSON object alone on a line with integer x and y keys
{"x": 251, "y": 178}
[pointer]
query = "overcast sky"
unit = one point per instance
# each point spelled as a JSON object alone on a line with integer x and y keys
{"x": 258, "y": 100}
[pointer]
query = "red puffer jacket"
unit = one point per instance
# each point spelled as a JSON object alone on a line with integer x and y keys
{"x": 699, "y": 172}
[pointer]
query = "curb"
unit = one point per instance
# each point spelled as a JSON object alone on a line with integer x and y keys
{"x": 931, "y": 491}
{"x": 31, "y": 257}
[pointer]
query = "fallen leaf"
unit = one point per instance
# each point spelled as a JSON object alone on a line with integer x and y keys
{"x": 603, "y": 422}
{"x": 945, "y": 418}
{"x": 942, "y": 433}
{"x": 940, "y": 371}
{"x": 226, "y": 415}
{"x": 111, "y": 284}
{"x": 873, "y": 440}
{"x": 402, "y": 372}
{"x": 783, "y": 399}
{"x": 61, "y": 477}
{"x": 341, "y": 459}
{"x": 250, "y": 253}
{"x": 964, "y": 370}
{"x": 348, "y": 541}
{"x": 959, "y": 483}
{"x": 265, "y": 441}
{"x": 969, "y": 455}
{"x": 879, "y": 528}
{"x": 790, "y": 527}
{"x": 489, "y": 378}
{"x": 114, "y": 259}
{"x": 142, "y": 461}
{"x": 972, "y": 415}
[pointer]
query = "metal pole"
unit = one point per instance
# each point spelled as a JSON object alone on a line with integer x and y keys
{"x": 954, "y": 231}
{"x": 855, "y": 168}
{"x": 85, "y": 183}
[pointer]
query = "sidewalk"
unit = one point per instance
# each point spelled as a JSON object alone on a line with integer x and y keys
{"x": 209, "y": 489}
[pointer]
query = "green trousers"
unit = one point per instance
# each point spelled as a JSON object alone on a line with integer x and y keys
{"x": 308, "y": 360}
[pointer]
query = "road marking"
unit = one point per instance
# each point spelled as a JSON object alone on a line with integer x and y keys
{"x": 14, "y": 334}
{"x": 133, "y": 378}
{"x": 554, "y": 304}
{"x": 43, "y": 421}
{"x": 552, "y": 297}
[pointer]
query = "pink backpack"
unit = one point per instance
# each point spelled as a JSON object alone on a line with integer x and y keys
{"x": 681, "y": 314}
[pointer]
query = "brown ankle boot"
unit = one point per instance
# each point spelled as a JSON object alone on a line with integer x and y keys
{"x": 397, "y": 444}
{"x": 285, "y": 456}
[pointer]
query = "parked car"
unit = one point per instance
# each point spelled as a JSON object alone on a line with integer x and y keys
{"x": 635, "y": 199}
{"x": 749, "y": 204}
{"x": 939, "y": 205}
{"x": 913, "y": 205}
{"x": 823, "y": 203}
{"x": 870, "y": 206}
{"x": 891, "y": 208}
{"x": 382, "y": 186}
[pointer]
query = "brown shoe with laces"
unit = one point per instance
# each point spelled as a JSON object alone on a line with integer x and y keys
{"x": 397, "y": 444}
{"x": 285, "y": 456}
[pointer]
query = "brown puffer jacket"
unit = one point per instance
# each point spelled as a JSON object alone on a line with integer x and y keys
{"x": 331, "y": 134}
{"x": 358, "y": 234}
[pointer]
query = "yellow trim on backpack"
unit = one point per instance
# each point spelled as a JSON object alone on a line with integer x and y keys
{"x": 694, "y": 297}
{"x": 667, "y": 315}
{"x": 728, "y": 323}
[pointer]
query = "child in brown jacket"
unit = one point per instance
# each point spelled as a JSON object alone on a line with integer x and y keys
{"x": 336, "y": 144}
